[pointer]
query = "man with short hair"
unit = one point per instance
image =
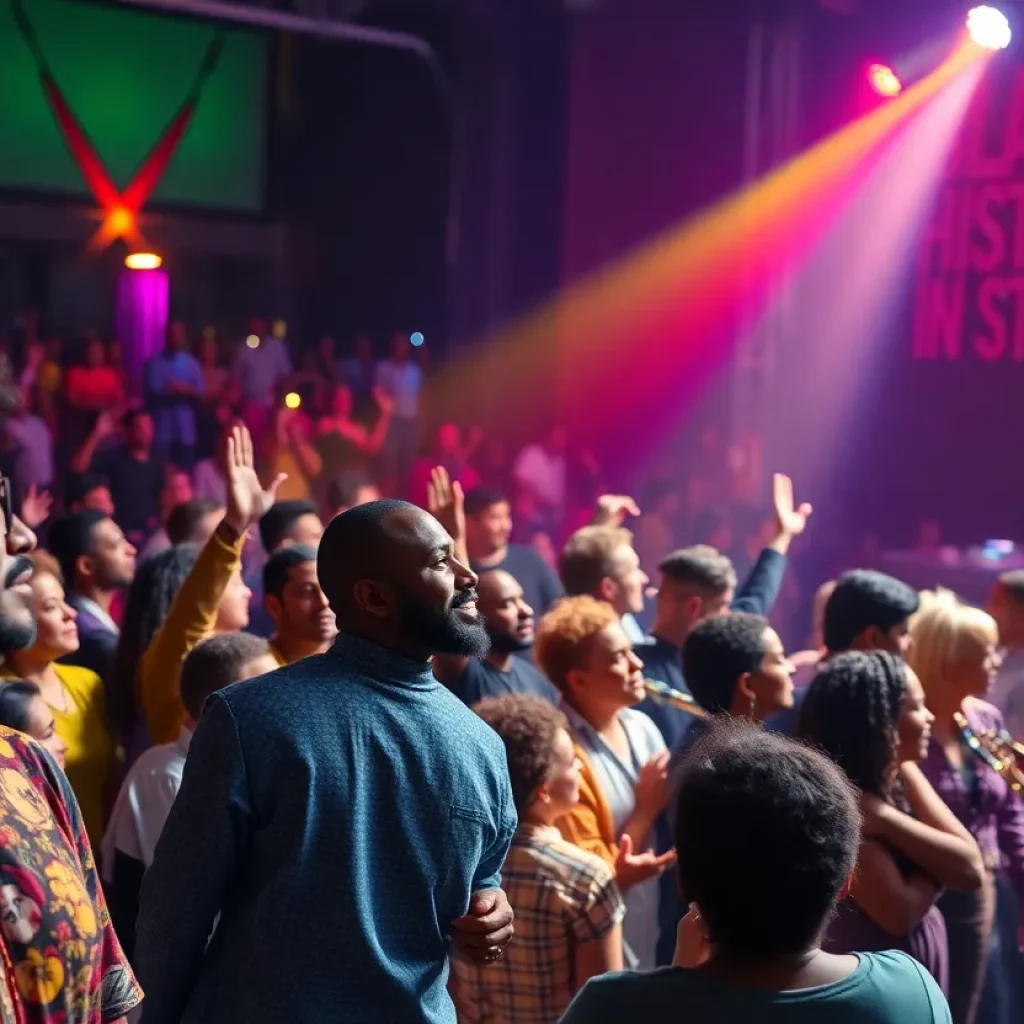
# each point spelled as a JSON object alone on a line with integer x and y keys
{"x": 286, "y": 523}
{"x": 97, "y": 561}
{"x": 488, "y": 529}
{"x": 351, "y": 490}
{"x": 153, "y": 781}
{"x": 600, "y": 562}
{"x": 88, "y": 491}
{"x": 61, "y": 954}
{"x": 1006, "y": 606}
{"x": 699, "y": 582}
{"x": 509, "y": 622}
{"x": 176, "y": 491}
{"x": 348, "y": 798}
{"x": 303, "y": 621}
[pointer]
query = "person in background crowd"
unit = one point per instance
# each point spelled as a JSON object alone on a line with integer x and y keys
{"x": 88, "y": 492}
{"x": 953, "y": 652}
{"x": 303, "y": 620}
{"x": 208, "y": 480}
{"x": 569, "y": 923}
{"x": 699, "y": 582}
{"x": 750, "y": 948}
{"x": 292, "y": 454}
{"x": 55, "y": 919}
{"x": 259, "y": 371}
{"x": 174, "y": 386}
{"x": 212, "y": 599}
{"x": 541, "y": 475}
{"x": 599, "y": 561}
{"x": 1006, "y": 606}
{"x": 94, "y": 386}
{"x": 344, "y": 445}
{"x": 509, "y": 622}
{"x": 488, "y": 529}
{"x": 96, "y": 562}
{"x": 326, "y": 361}
{"x": 214, "y": 406}
{"x": 349, "y": 491}
{"x": 582, "y": 648}
{"x": 152, "y": 783}
{"x": 285, "y": 523}
{"x": 31, "y": 442}
{"x": 449, "y": 454}
{"x": 23, "y": 709}
{"x": 134, "y": 473}
{"x": 865, "y": 611}
{"x": 866, "y": 710}
{"x": 176, "y": 491}
{"x": 401, "y": 379}
{"x": 427, "y": 805}
{"x": 359, "y": 370}
{"x": 191, "y": 522}
{"x": 74, "y": 694}
{"x": 656, "y": 528}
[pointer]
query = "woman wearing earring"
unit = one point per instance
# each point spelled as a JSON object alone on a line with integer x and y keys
{"x": 867, "y": 712}
{"x": 582, "y": 648}
{"x": 953, "y": 651}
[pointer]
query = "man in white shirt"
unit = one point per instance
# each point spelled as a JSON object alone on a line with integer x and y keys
{"x": 153, "y": 782}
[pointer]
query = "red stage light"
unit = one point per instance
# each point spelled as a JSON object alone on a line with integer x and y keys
{"x": 884, "y": 80}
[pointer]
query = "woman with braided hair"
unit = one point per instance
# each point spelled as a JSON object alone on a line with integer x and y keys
{"x": 866, "y": 710}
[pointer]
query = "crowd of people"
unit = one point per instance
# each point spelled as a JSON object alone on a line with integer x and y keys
{"x": 313, "y": 725}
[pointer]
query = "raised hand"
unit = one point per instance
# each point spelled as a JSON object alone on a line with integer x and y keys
{"x": 247, "y": 499}
{"x": 791, "y": 519}
{"x": 383, "y": 400}
{"x": 35, "y": 509}
{"x": 632, "y": 868}
{"x": 445, "y": 502}
{"x": 612, "y": 509}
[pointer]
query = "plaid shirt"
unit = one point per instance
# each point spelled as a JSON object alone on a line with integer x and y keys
{"x": 562, "y": 897}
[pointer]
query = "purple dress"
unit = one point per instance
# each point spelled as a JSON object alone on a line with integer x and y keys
{"x": 994, "y": 815}
{"x": 852, "y": 931}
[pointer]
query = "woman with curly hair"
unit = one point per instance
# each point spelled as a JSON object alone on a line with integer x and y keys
{"x": 953, "y": 651}
{"x": 582, "y": 648}
{"x": 867, "y": 712}
{"x": 568, "y": 907}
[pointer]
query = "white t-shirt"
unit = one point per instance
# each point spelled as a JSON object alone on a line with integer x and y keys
{"x": 143, "y": 804}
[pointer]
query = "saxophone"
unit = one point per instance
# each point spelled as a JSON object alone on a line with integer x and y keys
{"x": 998, "y": 749}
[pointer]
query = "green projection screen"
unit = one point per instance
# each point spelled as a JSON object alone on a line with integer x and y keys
{"x": 125, "y": 73}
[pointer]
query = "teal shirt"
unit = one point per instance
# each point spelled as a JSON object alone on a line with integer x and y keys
{"x": 886, "y": 988}
{"x": 337, "y": 814}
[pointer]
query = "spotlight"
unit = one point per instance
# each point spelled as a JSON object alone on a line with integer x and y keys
{"x": 253, "y": 341}
{"x": 293, "y": 400}
{"x": 416, "y": 339}
{"x": 884, "y": 80}
{"x": 142, "y": 261}
{"x": 989, "y": 28}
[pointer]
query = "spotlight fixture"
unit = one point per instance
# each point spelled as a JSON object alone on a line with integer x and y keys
{"x": 989, "y": 28}
{"x": 884, "y": 80}
{"x": 142, "y": 261}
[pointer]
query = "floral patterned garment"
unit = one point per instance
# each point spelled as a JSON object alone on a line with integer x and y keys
{"x": 62, "y": 963}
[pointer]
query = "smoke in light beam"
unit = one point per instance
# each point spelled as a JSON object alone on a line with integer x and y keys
{"x": 623, "y": 342}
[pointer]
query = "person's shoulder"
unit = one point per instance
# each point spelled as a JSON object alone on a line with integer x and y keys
{"x": 983, "y": 714}
{"x": 905, "y": 988}
{"x": 78, "y": 679}
{"x": 611, "y": 996}
{"x": 641, "y": 725}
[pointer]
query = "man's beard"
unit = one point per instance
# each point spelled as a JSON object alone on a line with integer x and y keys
{"x": 444, "y": 631}
{"x": 17, "y": 626}
{"x": 503, "y": 642}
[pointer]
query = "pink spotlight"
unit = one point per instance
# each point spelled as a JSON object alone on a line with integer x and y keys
{"x": 884, "y": 80}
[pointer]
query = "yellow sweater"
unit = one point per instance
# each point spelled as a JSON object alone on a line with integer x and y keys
{"x": 191, "y": 619}
{"x": 589, "y": 825}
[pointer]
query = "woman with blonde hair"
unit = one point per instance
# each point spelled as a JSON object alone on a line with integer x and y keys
{"x": 582, "y": 648}
{"x": 953, "y": 651}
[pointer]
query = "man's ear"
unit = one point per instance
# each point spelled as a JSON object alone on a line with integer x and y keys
{"x": 372, "y": 598}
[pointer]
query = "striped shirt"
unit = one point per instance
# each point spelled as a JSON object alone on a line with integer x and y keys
{"x": 562, "y": 897}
